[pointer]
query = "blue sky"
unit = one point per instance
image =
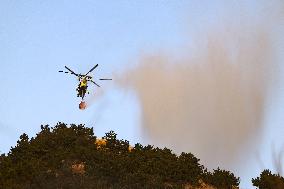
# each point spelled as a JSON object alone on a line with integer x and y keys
{"x": 38, "y": 38}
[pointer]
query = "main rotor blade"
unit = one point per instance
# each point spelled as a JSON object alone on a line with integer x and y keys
{"x": 94, "y": 83}
{"x": 105, "y": 79}
{"x": 71, "y": 71}
{"x": 91, "y": 69}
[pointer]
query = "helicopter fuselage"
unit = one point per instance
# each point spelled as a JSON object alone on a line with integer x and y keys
{"x": 82, "y": 87}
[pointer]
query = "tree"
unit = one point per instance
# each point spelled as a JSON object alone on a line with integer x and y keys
{"x": 267, "y": 180}
{"x": 189, "y": 169}
{"x": 221, "y": 179}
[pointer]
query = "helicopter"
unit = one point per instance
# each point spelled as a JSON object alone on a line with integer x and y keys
{"x": 83, "y": 83}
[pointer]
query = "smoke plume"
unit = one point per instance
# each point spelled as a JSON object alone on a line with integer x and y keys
{"x": 211, "y": 103}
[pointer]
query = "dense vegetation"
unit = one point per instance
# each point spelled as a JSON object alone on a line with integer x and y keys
{"x": 72, "y": 157}
{"x": 267, "y": 180}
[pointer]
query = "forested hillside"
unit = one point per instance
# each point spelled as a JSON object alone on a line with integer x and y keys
{"x": 72, "y": 157}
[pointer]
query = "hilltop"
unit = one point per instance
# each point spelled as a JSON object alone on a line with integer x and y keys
{"x": 73, "y": 157}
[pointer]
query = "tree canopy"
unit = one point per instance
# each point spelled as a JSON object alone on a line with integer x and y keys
{"x": 267, "y": 180}
{"x": 73, "y": 157}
